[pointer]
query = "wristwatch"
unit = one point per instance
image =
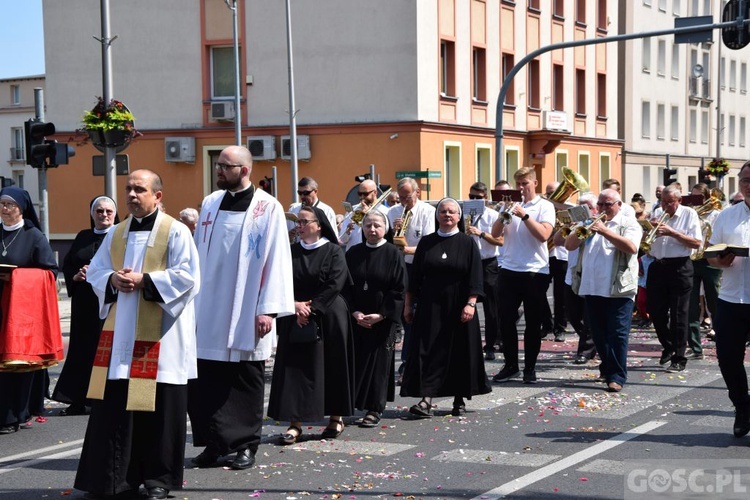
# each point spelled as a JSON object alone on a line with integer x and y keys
{"x": 471, "y": 304}
{"x": 525, "y": 217}
{"x": 481, "y": 235}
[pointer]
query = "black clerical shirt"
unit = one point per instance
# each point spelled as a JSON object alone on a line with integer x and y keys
{"x": 237, "y": 202}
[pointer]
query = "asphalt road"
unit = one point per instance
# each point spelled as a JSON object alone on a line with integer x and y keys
{"x": 564, "y": 437}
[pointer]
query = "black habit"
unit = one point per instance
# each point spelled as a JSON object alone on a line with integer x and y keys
{"x": 315, "y": 379}
{"x": 379, "y": 276}
{"x": 446, "y": 357}
{"x": 85, "y": 324}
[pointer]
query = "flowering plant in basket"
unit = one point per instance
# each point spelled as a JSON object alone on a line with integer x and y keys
{"x": 718, "y": 167}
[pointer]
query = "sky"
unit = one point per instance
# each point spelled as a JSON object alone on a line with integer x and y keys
{"x": 21, "y": 38}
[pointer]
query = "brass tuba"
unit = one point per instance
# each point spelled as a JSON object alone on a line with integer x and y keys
{"x": 572, "y": 183}
{"x": 359, "y": 215}
{"x": 713, "y": 203}
{"x": 648, "y": 240}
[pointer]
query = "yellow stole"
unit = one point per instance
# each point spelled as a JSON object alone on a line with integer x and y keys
{"x": 145, "y": 363}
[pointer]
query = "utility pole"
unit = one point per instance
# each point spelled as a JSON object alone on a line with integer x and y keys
{"x": 292, "y": 110}
{"x": 237, "y": 108}
{"x": 110, "y": 172}
{"x": 42, "y": 171}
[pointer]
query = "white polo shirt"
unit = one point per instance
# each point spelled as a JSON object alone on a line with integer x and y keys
{"x": 484, "y": 223}
{"x": 685, "y": 220}
{"x": 422, "y": 223}
{"x": 598, "y": 254}
{"x": 732, "y": 227}
{"x": 523, "y": 252}
{"x": 572, "y": 261}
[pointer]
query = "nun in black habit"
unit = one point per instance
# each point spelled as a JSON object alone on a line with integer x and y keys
{"x": 85, "y": 324}
{"x": 314, "y": 379}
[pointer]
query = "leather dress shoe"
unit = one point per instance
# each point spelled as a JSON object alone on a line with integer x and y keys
{"x": 157, "y": 492}
{"x": 207, "y": 458}
{"x": 244, "y": 459}
{"x": 741, "y": 420}
{"x": 581, "y": 360}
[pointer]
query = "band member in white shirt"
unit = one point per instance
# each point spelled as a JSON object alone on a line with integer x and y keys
{"x": 733, "y": 306}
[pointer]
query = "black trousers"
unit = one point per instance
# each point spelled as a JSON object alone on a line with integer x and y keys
{"x": 530, "y": 289}
{"x": 124, "y": 449}
{"x": 557, "y": 322}
{"x": 668, "y": 301}
{"x": 491, "y": 324}
{"x": 732, "y": 328}
{"x": 226, "y": 405}
{"x": 575, "y": 307}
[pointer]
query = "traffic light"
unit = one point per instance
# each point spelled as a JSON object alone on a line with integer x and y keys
{"x": 668, "y": 173}
{"x": 5, "y": 182}
{"x": 267, "y": 185}
{"x": 704, "y": 176}
{"x": 37, "y": 148}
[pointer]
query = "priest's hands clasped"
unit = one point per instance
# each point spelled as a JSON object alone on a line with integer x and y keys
{"x": 125, "y": 280}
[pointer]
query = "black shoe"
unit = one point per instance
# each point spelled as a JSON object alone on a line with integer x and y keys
{"x": 207, "y": 458}
{"x": 507, "y": 373}
{"x": 529, "y": 377}
{"x": 244, "y": 459}
{"x": 666, "y": 357}
{"x": 9, "y": 429}
{"x": 489, "y": 356}
{"x": 559, "y": 336}
{"x": 741, "y": 420}
{"x": 676, "y": 368}
{"x": 459, "y": 407}
{"x": 693, "y": 355}
{"x": 73, "y": 410}
{"x": 333, "y": 430}
{"x": 423, "y": 409}
{"x": 581, "y": 360}
{"x": 157, "y": 492}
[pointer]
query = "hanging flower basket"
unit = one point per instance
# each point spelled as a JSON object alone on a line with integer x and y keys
{"x": 718, "y": 167}
{"x": 109, "y": 125}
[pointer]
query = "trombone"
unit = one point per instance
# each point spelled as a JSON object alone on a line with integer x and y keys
{"x": 648, "y": 241}
{"x": 359, "y": 215}
{"x": 585, "y": 232}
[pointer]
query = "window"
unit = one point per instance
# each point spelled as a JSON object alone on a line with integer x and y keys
{"x": 674, "y": 124}
{"x": 511, "y": 162}
{"x": 222, "y": 72}
{"x": 646, "y": 55}
{"x": 19, "y": 148}
{"x": 15, "y": 94}
{"x": 604, "y": 168}
{"x": 661, "y": 58}
{"x": 583, "y": 165}
{"x": 534, "y": 5}
{"x": 601, "y": 95}
{"x": 534, "y": 99}
{"x": 743, "y": 78}
{"x": 731, "y": 130}
{"x": 558, "y": 87}
{"x": 581, "y": 92}
{"x": 660, "y": 122}
{"x": 601, "y": 15}
{"x": 663, "y": 5}
{"x": 558, "y": 9}
{"x": 721, "y": 127}
{"x": 453, "y": 171}
{"x": 722, "y": 72}
{"x": 694, "y": 8}
{"x": 693, "y": 126}
{"x": 675, "y": 61}
{"x": 646, "y": 119}
{"x": 647, "y": 3}
{"x": 18, "y": 178}
{"x": 743, "y": 131}
{"x": 510, "y": 96}
{"x": 706, "y": 7}
{"x": 447, "y": 68}
{"x": 732, "y": 75}
{"x": 581, "y": 11}
{"x": 561, "y": 160}
{"x": 479, "y": 74}
{"x": 676, "y": 7}
{"x": 704, "y": 127}
{"x": 484, "y": 165}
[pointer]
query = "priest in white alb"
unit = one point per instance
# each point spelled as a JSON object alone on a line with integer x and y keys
{"x": 246, "y": 271}
{"x": 146, "y": 276}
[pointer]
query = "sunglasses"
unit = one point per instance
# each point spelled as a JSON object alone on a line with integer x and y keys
{"x": 476, "y": 196}
{"x": 607, "y": 204}
{"x": 304, "y": 222}
{"x": 305, "y": 193}
{"x": 361, "y": 194}
{"x": 226, "y": 166}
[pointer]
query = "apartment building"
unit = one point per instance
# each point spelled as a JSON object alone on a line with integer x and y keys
{"x": 404, "y": 85}
{"x": 689, "y": 101}
{"x": 17, "y": 106}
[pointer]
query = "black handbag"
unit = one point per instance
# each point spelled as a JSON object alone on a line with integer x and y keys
{"x": 304, "y": 334}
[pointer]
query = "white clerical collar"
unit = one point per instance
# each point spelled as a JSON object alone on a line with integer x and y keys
{"x": 313, "y": 246}
{"x": 146, "y": 216}
{"x": 240, "y": 190}
{"x": 445, "y": 235}
{"x": 15, "y": 226}
{"x": 376, "y": 245}
{"x": 102, "y": 231}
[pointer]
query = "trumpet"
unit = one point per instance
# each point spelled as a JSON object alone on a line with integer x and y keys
{"x": 399, "y": 236}
{"x": 585, "y": 232}
{"x": 648, "y": 241}
{"x": 504, "y": 208}
{"x": 359, "y": 215}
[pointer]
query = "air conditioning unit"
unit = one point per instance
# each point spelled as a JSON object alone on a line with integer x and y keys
{"x": 222, "y": 111}
{"x": 179, "y": 149}
{"x": 262, "y": 147}
{"x": 303, "y": 147}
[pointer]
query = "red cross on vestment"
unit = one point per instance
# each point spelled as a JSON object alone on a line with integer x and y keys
{"x": 205, "y": 225}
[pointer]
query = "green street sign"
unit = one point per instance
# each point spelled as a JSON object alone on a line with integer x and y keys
{"x": 418, "y": 174}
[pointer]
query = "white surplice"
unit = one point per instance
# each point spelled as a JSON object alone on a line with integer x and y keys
{"x": 178, "y": 285}
{"x": 247, "y": 257}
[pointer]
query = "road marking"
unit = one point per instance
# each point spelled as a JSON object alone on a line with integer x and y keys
{"x": 553, "y": 468}
{"x": 48, "y": 449}
{"x": 495, "y": 457}
{"x": 40, "y": 460}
